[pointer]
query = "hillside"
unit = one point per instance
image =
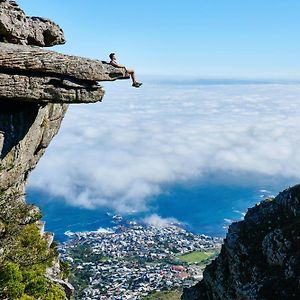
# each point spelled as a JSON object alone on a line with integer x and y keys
{"x": 260, "y": 258}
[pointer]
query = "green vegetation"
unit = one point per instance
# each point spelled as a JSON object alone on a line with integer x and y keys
{"x": 80, "y": 278}
{"x": 197, "y": 257}
{"x": 55, "y": 293}
{"x": 22, "y": 272}
{"x": 65, "y": 269}
{"x": 167, "y": 295}
{"x": 84, "y": 253}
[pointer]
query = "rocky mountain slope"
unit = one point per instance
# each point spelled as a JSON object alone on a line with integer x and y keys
{"x": 260, "y": 258}
{"x": 36, "y": 87}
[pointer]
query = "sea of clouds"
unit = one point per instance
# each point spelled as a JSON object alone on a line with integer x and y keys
{"x": 124, "y": 151}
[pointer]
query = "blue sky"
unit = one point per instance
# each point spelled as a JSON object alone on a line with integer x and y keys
{"x": 194, "y": 38}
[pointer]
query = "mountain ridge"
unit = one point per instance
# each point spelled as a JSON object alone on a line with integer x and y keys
{"x": 260, "y": 257}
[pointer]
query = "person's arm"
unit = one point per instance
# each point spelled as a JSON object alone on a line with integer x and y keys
{"x": 114, "y": 64}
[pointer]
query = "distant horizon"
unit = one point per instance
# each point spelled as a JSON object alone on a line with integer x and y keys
{"x": 198, "y": 79}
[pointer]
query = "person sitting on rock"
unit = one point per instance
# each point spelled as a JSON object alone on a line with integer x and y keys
{"x": 113, "y": 62}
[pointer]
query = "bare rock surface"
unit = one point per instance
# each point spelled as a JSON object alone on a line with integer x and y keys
{"x": 34, "y": 75}
{"x": 29, "y": 73}
{"x": 17, "y": 28}
{"x": 27, "y": 129}
{"x": 48, "y": 89}
{"x": 34, "y": 60}
{"x": 260, "y": 258}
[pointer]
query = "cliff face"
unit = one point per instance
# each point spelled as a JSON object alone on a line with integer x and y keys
{"x": 36, "y": 87}
{"x": 260, "y": 258}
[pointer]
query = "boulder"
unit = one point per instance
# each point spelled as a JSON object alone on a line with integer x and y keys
{"x": 17, "y": 28}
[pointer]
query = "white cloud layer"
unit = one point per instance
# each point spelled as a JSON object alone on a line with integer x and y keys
{"x": 157, "y": 221}
{"x": 121, "y": 152}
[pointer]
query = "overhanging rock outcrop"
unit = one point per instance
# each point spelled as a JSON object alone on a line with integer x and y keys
{"x": 34, "y": 75}
{"x": 36, "y": 87}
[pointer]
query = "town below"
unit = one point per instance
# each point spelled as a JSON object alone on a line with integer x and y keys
{"x": 134, "y": 261}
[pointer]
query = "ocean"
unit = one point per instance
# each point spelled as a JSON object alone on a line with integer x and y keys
{"x": 204, "y": 209}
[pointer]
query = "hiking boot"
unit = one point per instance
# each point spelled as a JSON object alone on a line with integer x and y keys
{"x": 137, "y": 84}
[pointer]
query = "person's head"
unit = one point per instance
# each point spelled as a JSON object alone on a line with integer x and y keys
{"x": 112, "y": 56}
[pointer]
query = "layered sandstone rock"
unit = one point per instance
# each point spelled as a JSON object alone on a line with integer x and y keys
{"x": 26, "y": 130}
{"x": 34, "y": 75}
{"x": 17, "y": 28}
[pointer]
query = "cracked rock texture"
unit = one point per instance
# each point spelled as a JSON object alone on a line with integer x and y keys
{"x": 36, "y": 87}
{"x": 26, "y": 130}
{"x": 260, "y": 258}
{"x": 17, "y": 28}
{"x": 34, "y": 75}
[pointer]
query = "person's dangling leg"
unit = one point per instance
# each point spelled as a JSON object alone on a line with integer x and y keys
{"x": 131, "y": 74}
{"x": 133, "y": 78}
